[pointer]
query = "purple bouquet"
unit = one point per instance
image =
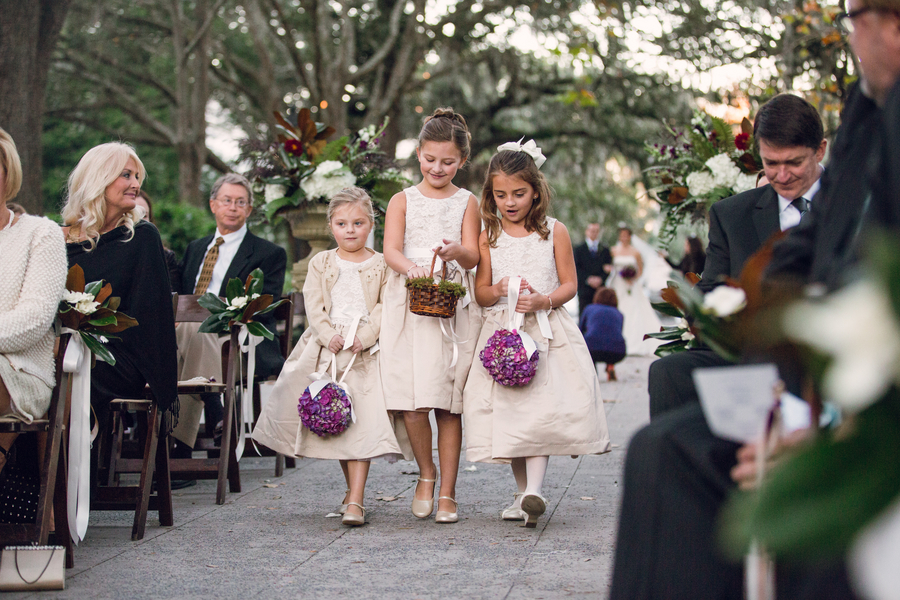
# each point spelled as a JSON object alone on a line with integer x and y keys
{"x": 326, "y": 414}
{"x": 628, "y": 272}
{"x": 505, "y": 359}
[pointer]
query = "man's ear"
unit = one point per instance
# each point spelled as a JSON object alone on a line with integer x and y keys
{"x": 820, "y": 153}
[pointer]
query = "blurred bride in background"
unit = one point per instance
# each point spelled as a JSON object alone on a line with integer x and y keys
{"x": 627, "y": 279}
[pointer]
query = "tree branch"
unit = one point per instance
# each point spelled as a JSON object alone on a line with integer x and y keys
{"x": 385, "y": 48}
{"x": 203, "y": 29}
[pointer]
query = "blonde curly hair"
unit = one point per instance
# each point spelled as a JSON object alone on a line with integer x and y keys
{"x": 85, "y": 209}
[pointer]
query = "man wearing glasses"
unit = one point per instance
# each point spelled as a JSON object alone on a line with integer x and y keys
{"x": 208, "y": 264}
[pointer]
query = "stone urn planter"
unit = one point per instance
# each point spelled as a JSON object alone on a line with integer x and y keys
{"x": 309, "y": 223}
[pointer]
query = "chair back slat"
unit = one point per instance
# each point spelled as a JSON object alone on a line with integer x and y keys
{"x": 189, "y": 311}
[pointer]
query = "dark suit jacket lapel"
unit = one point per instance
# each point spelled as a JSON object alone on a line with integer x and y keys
{"x": 240, "y": 260}
{"x": 194, "y": 262}
{"x": 765, "y": 217}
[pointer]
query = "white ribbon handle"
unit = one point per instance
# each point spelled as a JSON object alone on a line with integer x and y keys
{"x": 246, "y": 423}
{"x": 320, "y": 380}
{"x": 77, "y": 360}
{"x": 516, "y": 320}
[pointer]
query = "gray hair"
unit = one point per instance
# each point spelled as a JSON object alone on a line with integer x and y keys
{"x": 234, "y": 179}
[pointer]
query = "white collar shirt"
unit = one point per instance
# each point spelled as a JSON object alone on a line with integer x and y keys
{"x": 227, "y": 252}
{"x": 593, "y": 245}
{"x": 788, "y": 214}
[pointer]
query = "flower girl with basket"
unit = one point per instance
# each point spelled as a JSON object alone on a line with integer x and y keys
{"x": 532, "y": 391}
{"x": 328, "y": 401}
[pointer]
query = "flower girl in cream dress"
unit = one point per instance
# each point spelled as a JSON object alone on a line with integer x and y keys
{"x": 342, "y": 294}
{"x": 559, "y": 412}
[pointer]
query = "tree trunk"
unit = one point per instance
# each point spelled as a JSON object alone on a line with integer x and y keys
{"x": 28, "y": 34}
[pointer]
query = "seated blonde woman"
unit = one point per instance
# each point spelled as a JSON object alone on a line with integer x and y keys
{"x": 32, "y": 280}
{"x": 106, "y": 236}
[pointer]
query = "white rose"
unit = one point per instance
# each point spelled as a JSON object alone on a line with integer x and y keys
{"x": 744, "y": 182}
{"x": 86, "y": 307}
{"x": 329, "y": 178}
{"x": 724, "y": 301}
{"x": 857, "y": 327}
{"x": 725, "y": 172}
{"x": 274, "y": 191}
{"x": 700, "y": 183}
{"x": 238, "y": 303}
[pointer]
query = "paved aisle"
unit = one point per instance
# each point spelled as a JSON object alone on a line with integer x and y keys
{"x": 273, "y": 542}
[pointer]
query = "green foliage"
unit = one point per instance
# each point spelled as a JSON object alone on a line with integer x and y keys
{"x": 446, "y": 287}
{"x": 180, "y": 224}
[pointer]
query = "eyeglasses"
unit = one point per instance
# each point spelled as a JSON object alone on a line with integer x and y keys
{"x": 845, "y": 19}
{"x": 239, "y": 202}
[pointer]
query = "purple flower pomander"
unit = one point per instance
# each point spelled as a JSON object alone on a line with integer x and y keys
{"x": 326, "y": 414}
{"x": 504, "y": 357}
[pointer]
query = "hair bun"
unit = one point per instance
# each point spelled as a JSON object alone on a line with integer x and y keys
{"x": 447, "y": 113}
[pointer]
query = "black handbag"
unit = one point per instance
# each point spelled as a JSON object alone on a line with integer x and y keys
{"x": 20, "y": 485}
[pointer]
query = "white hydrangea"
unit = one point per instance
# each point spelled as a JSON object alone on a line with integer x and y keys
{"x": 238, "y": 303}
{"x": 744, "y": 182}
{"x": 274, "y": 191}
{"x": 700, "y": 183}
{"x": 724, "y": 301}
{"x": 724, "y": 171}
{"x": 329, "y": 178}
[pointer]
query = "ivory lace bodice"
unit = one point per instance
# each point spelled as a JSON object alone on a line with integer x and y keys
{"x": 430, "y": 220}
{"x": 529, "y": 257}
{"x": 347, "y": 296}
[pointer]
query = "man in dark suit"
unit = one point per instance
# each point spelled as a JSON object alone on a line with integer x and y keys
{"x": 208, "y": 264}
{"x": 591, "y": 258}
{"x": 676, "y": 471}
{"x": 790, "y": 135}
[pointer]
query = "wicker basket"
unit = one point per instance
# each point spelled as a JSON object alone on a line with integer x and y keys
{"x": 431, "y": 301}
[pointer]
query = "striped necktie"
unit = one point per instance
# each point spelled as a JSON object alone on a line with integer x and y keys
{"x": 801, "y": 204}
{"x": 212, "y": 255}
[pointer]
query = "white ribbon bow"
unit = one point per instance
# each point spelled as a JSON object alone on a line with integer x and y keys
{"x": 77, "y": 361}
{"x": 247, "y": 343}
{"x": 320, "y": 380}
{"x": 530, "y": 148}
{"x": 517, "y": 319}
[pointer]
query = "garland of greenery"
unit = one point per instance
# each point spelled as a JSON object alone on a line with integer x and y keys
{"x": 446, "y": 287}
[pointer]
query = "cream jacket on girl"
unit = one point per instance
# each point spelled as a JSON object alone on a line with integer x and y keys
{"x": 317, "y": 292}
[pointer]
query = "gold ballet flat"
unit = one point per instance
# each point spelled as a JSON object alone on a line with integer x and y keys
{"x": 534, "y": 506}
{"x": 352, "y": 520}
{"x": 444, "y": 516}
{"x": 422, "y": 508}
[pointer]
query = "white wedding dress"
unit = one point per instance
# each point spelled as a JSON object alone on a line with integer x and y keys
{"x": 640, "y": 318}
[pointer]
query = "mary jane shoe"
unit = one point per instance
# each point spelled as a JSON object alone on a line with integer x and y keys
{"x": 422, "y": 508}
{"x": 352, "y": 520}
{"x": 445, "y": 516}
{"x": 534, "y": 506}
{"x": 514, "y": 512}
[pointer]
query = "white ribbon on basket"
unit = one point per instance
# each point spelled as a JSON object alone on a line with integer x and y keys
{"x": 321, "y": 379}
{"x": 247, "y": 343}
{"x": 77, "y": 361}
{"x": 516, "y": 319}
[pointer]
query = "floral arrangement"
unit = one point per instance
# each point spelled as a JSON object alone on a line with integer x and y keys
{"x": 301, "y": 167}
{"x": 698, "y": 167}
{"x": 839, "y": 494}
{"x": 446, "y": 287}
{"x": 505, "y": 358}
{"x": 628, "y": 272}
{"x": 328, "y": 413}
{"x": 243, "y": 303}
{"x": 710, "y": 319}
{"x": 91, "y": 310}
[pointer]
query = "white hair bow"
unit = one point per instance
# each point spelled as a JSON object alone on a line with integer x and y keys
{"x": 529, "y": 148}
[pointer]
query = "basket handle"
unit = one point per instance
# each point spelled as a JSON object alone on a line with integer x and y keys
{"x": 443, "y": 267}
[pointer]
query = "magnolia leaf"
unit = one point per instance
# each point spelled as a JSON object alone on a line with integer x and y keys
{"x": 671, "y": 348}
{"x": 113, "y": 303}
{"x": 270, "y": 208}
{"x": 105, "y": 292}
{"x": 746, "y": 126}
{"x": 216, "y": 323}
{"x": 677, "y": 195}
{"x": 255, "y": 282}
{"x": 70, "y": 319}
{"x": 123, "y": 322}
{"x": 260, "y": 330}
{"x": 667, "y": 309}
{"x": 75, "y": 279}
{"x": 93, "y": 288}
{"x": 234, "y": 289}
{"x": 211, "y": 302}
{"x": 306, "y": 126}
{"x": 272, "y": 306}
{"x": 692, "y": 278}
{"x": 667, "y": 333}
{"x": 670, "y": 295}
{"x": 102, "y": 320}
{"x": 284, "y": 123}
{"x": 99, "y": 349}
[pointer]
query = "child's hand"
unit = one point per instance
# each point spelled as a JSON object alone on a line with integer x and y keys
{"x": 416, "y": 272}
{"x": 532, "y": 301}
{"x": 357, "y": 345}
{"x": 450, "y": 250}
{"x": 503, "y": 286}
{"x": 336, "y": 344}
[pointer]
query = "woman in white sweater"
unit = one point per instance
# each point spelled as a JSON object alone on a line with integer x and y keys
{"x": 32, "y": 280}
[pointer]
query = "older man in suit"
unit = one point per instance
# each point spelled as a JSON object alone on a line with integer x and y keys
{"x": 591, "y": 260}
{"x": 208, "y": 264}
{"x": 790, "y": 136}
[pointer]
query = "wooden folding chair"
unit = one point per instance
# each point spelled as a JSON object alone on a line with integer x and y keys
{"x": 53, "y": 473}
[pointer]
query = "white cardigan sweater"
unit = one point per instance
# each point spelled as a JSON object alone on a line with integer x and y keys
{"x": 33, "y": 268}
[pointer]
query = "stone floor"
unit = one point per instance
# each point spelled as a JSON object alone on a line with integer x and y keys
{"x": 272, "y": 540}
